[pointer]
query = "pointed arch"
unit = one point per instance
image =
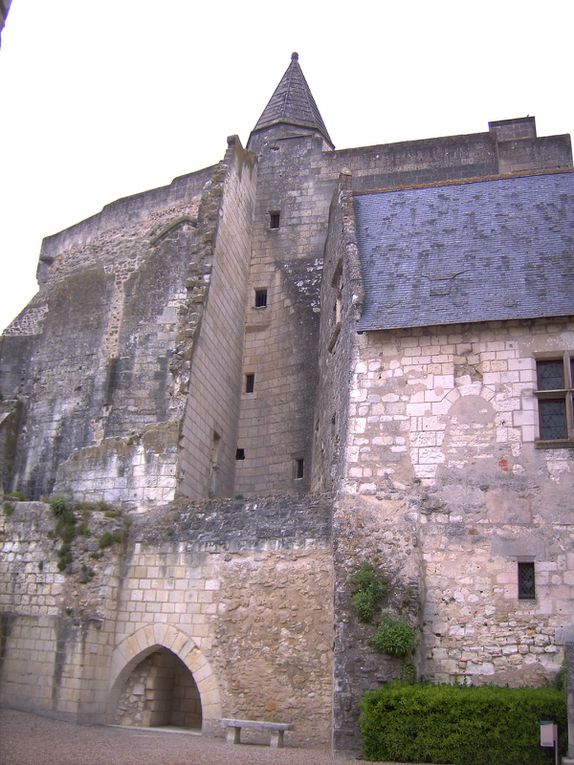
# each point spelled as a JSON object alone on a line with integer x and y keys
{"x": 136, "y": 647}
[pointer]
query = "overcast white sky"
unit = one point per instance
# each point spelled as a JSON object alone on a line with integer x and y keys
{"x": 103, "y": 100}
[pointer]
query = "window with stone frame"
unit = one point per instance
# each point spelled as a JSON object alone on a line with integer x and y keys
{"x": 555, "y": 394}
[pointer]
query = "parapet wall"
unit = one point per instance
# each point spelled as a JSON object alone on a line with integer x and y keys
{"x": 131, "y": 210}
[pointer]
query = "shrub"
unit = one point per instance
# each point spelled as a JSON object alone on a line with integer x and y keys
{"x": 64, "y": 556}
{"x": 108, "y": 539}
{"x": 369, "y": 586}
{"x": 460, "y": 725}
{"x": 395, "y": 637}
{"x": 65, "y": 529}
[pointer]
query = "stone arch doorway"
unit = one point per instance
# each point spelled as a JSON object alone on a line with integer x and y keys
{"x": 160, "y": 677}
{"x": 160, "y": 691}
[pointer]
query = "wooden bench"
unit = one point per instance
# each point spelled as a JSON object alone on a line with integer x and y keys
{"x": 233, "y": 730}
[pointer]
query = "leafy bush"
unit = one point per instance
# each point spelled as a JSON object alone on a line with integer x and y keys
{"x": 369, "y": 586}
{"x": 460, "y": 725}
{"x": 395, "y": 637}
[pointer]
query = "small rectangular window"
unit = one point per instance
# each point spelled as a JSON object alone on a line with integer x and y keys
{"x": 555, "y": 394}
{"x": 299, "y": 468}
{"x": 240, "y": 454}
{"x": 526, "y": 580}
{"x": 249, "y": 382}
{"x": 261, "y": 297}
{"x": 274, "y": 219}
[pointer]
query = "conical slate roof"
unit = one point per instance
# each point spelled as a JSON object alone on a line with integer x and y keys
{"x": 293, "y": 104}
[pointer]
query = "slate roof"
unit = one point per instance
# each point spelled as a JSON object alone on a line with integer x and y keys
{"x": 293, "y": 103}
{"x": 489, "y": 250}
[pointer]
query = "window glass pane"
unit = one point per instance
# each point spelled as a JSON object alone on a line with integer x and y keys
{"x": 550, "y": 375}
{"x": 552, "y": 418}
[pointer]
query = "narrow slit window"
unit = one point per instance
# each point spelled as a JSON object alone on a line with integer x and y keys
{"x": 299, "y": 468}
{"x": 274, "y": 217}
{"x": 261, "y": 298}
{"x": 250, "y": 382}
{"x": 526, "y": 580}
{"x": 240, "y": 454}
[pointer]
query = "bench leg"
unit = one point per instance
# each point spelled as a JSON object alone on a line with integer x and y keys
{"x": 276, "y": 738}
{"x": 233, "y": 735}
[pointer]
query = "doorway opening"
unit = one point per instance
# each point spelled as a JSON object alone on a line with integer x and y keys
{"x": 160, "y": 692}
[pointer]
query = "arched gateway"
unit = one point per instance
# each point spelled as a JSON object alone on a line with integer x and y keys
{"x": 160, "y": 677}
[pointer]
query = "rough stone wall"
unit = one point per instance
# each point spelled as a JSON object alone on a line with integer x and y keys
{"x": 209, "y": 442}
{"x": 281, "y": 339}
{"x": 297, "y": 178}
{"x": 442, "y": 428}
{"x": 105, "y": 326}
{"x": 446, "y": 491}
{"x": 449, "y": 158}
{"x": 9, "y": 420}
{"x": 240, "y": 592}
{"x": 56, "y": 628}
{"x": 341, "y": 301}
{"x": 138, "y": 472}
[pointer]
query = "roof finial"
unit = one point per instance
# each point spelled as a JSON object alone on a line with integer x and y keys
{"x": 294, "y": 56}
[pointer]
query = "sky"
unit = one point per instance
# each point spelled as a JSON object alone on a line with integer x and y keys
{"x": 97, "y": 106}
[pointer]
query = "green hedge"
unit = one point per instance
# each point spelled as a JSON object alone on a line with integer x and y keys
{"x": 460, "y": 725}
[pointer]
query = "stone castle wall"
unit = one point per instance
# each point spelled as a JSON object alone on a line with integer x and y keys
{"x": 297, "y": 177}
{"x": 97, "y": 365}
{"x": 341, "y": 299}
{"x": 239, "y": 592}
{"x": 209, "y": 442}
{"x": 446, "y": 491}
{"x": 126, "y": 379}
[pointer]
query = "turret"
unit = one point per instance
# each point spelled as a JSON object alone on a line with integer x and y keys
{"x": 292, "y": 104}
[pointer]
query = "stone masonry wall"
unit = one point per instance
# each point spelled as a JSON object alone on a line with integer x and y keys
{"x": 240, "y": 592}
{"x": 297, "y": 178}
{"x": 56, "y": 627}
{"x": 281, "y": 338}
{"x": 99, "y": 362}
{"x": 341, "y": 301}
{"x": 138, "y": 472}
{"x": 443, "y": 425}
{"x": 446, "y": 492}
{"x": 360, "y": 533}
{"x": 209, "y": 438}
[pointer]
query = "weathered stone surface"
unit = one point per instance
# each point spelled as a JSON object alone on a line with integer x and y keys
{"x": 192, "y": 357}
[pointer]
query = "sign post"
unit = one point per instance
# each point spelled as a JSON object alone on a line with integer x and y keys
{"x": 549, "y": 736}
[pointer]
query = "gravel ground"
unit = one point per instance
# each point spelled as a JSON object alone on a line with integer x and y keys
{"x": 27, "y": 739}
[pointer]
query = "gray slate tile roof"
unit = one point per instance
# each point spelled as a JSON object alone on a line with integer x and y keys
{"x": 490, "y": 250}
{"x": 293, "y": 103}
